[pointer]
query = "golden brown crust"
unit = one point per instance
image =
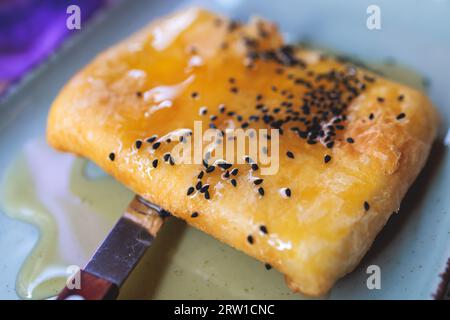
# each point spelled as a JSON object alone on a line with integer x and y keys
{"x": 321, "y": 232}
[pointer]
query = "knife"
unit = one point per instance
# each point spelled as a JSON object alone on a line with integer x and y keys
{"x": 119, "y": 253}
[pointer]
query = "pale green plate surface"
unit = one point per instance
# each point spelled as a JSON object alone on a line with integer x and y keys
{"x": 413, "y": 248}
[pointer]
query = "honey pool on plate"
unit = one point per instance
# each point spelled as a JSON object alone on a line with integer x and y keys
{"x": 74, "y": 205}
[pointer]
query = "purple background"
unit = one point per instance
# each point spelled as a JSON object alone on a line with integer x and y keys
{"x": 30, "y": 30}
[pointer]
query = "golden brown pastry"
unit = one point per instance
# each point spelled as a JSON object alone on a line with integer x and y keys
{"x": 350, "y": 142}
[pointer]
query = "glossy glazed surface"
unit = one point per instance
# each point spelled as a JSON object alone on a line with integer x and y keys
{"x": 402, "y": 247}
{"x": 341, "y": 191}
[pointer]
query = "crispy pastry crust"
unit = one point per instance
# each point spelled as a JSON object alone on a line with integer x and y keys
{"x": 314, "y": 237}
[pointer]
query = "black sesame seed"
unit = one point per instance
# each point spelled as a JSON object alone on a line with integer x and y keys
{"x": 255, "y": 167}
{"x": 166, "y": 157}
{"x": 287, "y": 192}
{"x": 250, "y": 239}
{"x": 267, "y": 118}
{"x": 164, "y": 213}
{"x": 366, "y": 206}
{"x": 112, "y": 156}
{"x": 190, "y": 191}
{"x": 263, "y": 229}
{"x": 151, "y": 139}
{"x": 138, "y": 144}
{"x": 204, "y": 188}
{"x": 139, "y": 94}
{"x": 371, "y": 116}
{"x": 233, "y": 182}
{"x": 234, "y": 90}
{"x": 194, "y": 95}
{"x": 261, "y": 191}
{"x": 194, "y": 215}
{"x": 258, "y": 181}
{"x": 233, "y": 25}
{"x": 156, "y": 145}
{"x": 225, "y": 165}
{"x": 200, "y": 175}
{"x": 248, "y": 159}
{"x": 210, "y": 169}
{"x": 279, "y": 70}
{"x": 380, "y": 99}
{"x": 222, "y": 108}
{"x": 350, "y": 140}
{"x": 327, "y": 158}
{"x": 207, "y": 196}
{"x": 401, "y": 116}
{"x": 290, "y": 154}
{"x": 259, "y": 97}
{"x": 369, "y": 78}
{"x": 227, "y": 174}
{"x": 155, "y": 163}
{"x": 198, "y": 186}
{"x": 401, "y": 97}
{"x": 330, "y": 144}
{"x": 235, "y": 171}
{"x": 267, "y": 266}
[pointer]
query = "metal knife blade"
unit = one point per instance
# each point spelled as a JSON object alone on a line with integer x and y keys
{"x": 121, "y": 251}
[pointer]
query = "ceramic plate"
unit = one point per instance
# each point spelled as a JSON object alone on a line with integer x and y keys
{"x": 413, "y": 249}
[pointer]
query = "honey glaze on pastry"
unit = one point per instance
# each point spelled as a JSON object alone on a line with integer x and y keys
{"x": 350, "y": 142}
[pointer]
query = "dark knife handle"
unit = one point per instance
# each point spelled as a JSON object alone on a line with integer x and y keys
{"x": 91, "y": 288}
{"x": 118, "y": 254}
